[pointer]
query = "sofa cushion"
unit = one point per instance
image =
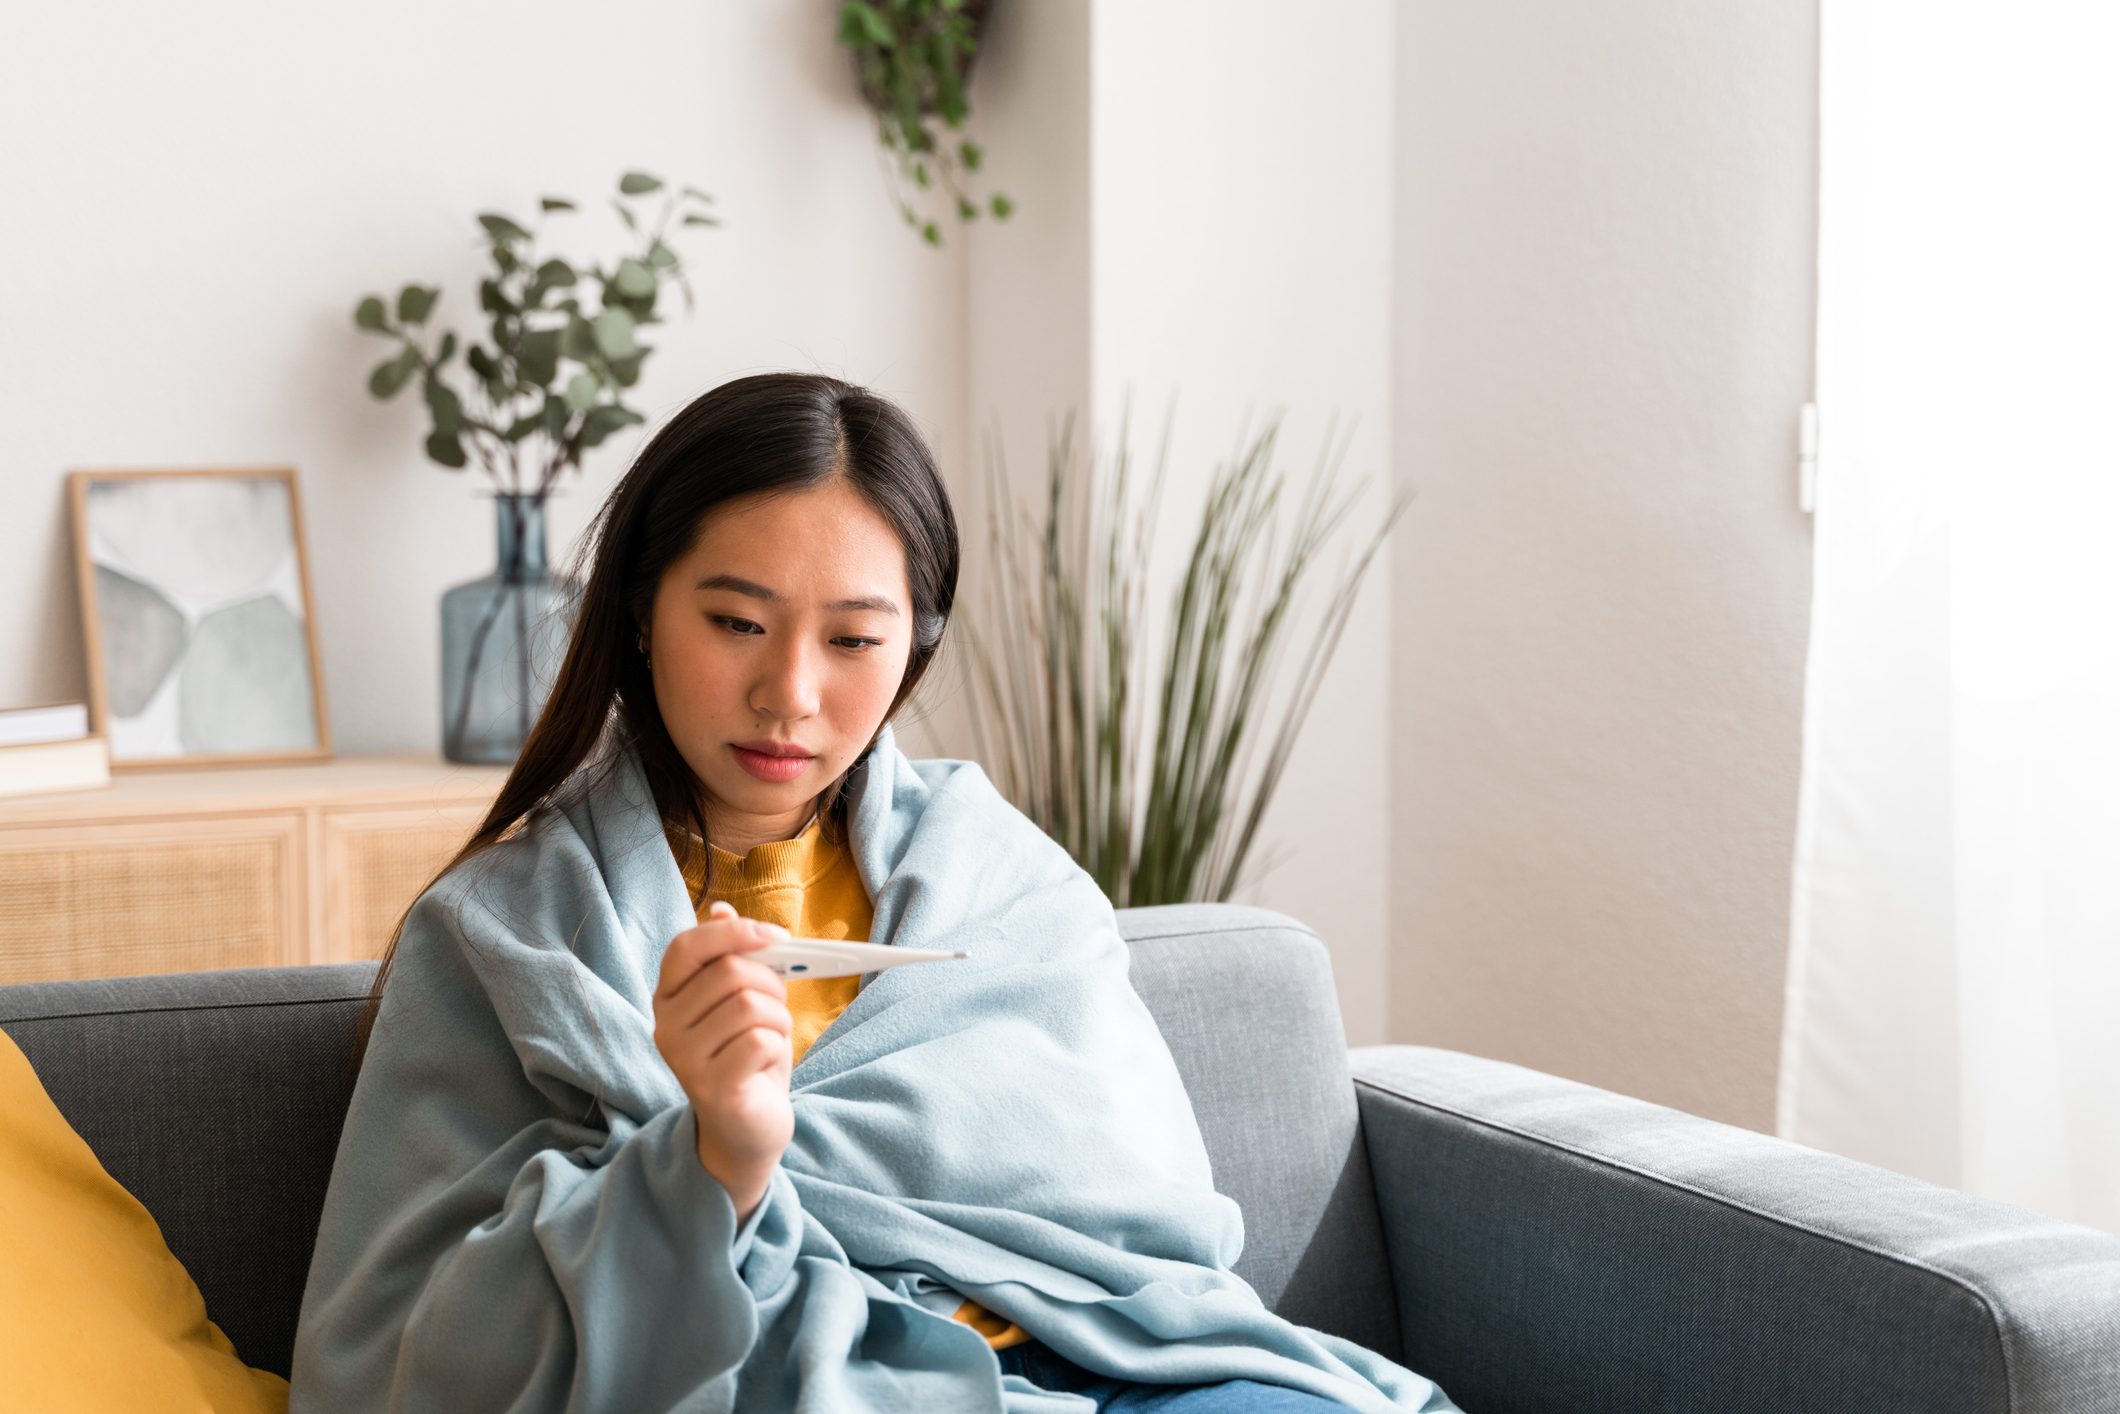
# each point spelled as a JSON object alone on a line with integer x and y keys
{"x": 95, "y": 1313}
{"x": 217, "y": 1099}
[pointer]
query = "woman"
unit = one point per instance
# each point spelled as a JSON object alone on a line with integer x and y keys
{"x": 598, "y": 1158}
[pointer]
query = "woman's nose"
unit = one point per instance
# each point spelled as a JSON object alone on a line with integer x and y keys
{"x": 790, "y": 684}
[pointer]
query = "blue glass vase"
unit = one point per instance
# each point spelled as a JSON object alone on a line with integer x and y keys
{"x": 503, "y": 636}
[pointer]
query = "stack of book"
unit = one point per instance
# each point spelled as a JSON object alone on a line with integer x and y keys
{"x": 50, "y": 748}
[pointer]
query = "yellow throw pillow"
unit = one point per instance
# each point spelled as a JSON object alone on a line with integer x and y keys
{"x": 96, "y": 1313}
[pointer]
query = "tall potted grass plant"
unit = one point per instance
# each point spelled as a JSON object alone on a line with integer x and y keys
{"x": 1062, "y": 676}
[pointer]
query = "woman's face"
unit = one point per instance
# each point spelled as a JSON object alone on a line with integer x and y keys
{"x": 753, "y": 638}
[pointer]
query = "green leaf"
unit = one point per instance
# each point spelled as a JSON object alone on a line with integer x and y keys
{"x": 605, "y": 420}
{"x": 920, "y": 175}
{"x": 369, "y": 314}
{"x": 577, "y": 340}
{"x": 867, "y": 27}
{"x": 482, "y": 363}
{"x": 448, "y": 409}
{"x": 634, "y": 280}
{"x": 556, "y": 273}
{"x": 639, "y": 184}
{"x": 661, "y": 256}
{"x": 931, "y": 233}
{"x": 614, "y": 333}
{"x": 972, "y": 154}
{"x": 695, "y": 219}
{"x": 501, "y": 228}
{"x": 966, "y": 211}
{"x": 391, "y": 373}
{"x": 448, "y": 349}
{"x": 554, "y": 203}
{"x": 523, "y": 426}
{"x": 415, "y": 303}
{"x": 448, "y": 449}
{"x": 626, "y": 215}
{"x": 582, "y": 390}
{"x": 538, "y": 359}
{"x": 494, "y": 300}
{"x": 696, "y": 192}
{"x": 555, "y": 417}
{"x": 627, "y": 370}
{"x": 1001, "y": 206}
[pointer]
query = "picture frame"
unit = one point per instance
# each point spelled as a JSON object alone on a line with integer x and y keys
{"x": 198, "y": 618}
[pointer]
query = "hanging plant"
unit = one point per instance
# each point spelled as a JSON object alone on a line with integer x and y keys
{"x": 913, "y": 59}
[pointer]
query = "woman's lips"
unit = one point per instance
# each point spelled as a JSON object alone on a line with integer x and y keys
{"x": 771, "y": 768}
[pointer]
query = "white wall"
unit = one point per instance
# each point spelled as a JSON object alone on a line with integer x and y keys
{"x": 1154, "y": 256}
{"x": 1604, "y": 314}
{"x": 1241, "y": 257}
{"x": 198, "y": 196}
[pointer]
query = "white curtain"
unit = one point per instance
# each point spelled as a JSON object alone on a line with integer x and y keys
{"x": 1953, "y": 1001}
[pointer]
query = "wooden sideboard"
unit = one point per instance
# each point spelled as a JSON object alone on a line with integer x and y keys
{"x": 195, "y": 869}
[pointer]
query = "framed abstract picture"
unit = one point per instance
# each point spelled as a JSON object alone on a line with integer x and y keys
{"x": 197, "y": 611}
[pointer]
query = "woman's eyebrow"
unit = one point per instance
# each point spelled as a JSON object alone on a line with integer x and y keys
{"x": 875, "y": 603}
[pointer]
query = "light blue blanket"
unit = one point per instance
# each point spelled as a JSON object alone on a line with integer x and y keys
{"x": 518, "y": 1220}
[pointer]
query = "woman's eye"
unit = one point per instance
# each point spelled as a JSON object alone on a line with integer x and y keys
{"x": 862, "y": 645}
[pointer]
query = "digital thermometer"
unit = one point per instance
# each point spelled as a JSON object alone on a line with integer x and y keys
{"x": 799, "y": 958}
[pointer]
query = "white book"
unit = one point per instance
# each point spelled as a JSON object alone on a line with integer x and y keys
{"x": 58, "y": 721}
{"x": 36, "y": 767}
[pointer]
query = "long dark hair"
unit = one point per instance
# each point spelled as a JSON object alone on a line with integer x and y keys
{"x": 772, "y": 432}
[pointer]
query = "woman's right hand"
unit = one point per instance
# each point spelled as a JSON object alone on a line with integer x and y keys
{"x": 722, "y": 1025}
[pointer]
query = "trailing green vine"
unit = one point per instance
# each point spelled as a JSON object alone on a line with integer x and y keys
{"x": 914, "y": 61}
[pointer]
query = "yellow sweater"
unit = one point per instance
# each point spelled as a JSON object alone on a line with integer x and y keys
{"x": 811, "y": 888}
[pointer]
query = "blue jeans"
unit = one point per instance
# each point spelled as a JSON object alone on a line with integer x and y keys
{"x": 1050, "y": 1370}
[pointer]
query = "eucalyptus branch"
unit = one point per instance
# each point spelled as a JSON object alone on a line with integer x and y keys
{"x": 562, "y": 384}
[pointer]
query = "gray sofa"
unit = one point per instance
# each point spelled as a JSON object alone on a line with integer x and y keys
{"x": 1534, "y": 1245}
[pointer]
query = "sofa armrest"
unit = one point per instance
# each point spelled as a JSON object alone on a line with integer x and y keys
{"x": 1560, "y": 1249}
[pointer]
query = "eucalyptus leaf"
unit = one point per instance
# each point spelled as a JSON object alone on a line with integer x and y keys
{"x": 577, "y": 340}
{"x": 481, "y": 362}
{"x": 614, "y": 333}
{"x": 555, "y": 417}
{"x": 626, "y": 371}
{"x": 448, "y": 449}
{"x": 447, "y": 408}
{"x": 415, "y": 303}
{"x": 972, "y": 154}
{"x": 698, "y": 194}
{"x": 369, "y": 314}
{"x": 1001, "y": 206}
{"x": 582, "y": 391}
{"x": 523, "y": 426}
{"x": 625, "y": 214}
{"x": 639, "y": 184}
{"x": 693, "y": 218}
{"x": 538, "y": 358}
{"x": 605, "y": 420}
{"x": 555, "y": 203}
{"x": 493, "y": 299}
{"x": 931, "y": 233}
{"x": 448, "y": 349}
{"x": 556, "y": 272}
{"x": 391, "y": 373}
{"x": 634, "y": 280}
{"x": 501, "y": 228}
{"x": 661, "y": 256}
